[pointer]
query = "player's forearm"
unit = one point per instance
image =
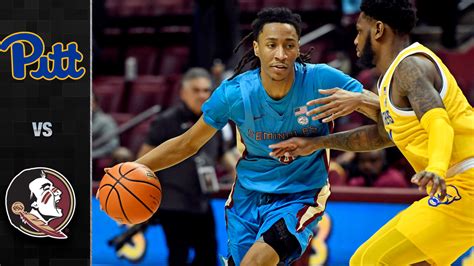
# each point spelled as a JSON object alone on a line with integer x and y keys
{"x": 364, "y": 138}
{"x": 440, "y": 140}
{"x": 169, "y": 153}
{"x": 369, "y": 105}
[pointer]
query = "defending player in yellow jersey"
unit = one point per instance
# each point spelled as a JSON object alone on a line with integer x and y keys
{"x": 425, "y": 114}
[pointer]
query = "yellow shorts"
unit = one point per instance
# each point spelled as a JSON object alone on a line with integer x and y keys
{"x": 442, "y": 230}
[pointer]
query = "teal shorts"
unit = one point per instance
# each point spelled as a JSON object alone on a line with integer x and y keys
{"x": 249, "y": 214}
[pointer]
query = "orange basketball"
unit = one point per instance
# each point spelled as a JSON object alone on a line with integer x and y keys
{"x": 129, "y": 193}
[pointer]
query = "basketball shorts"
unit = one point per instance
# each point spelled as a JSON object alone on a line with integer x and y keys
{"x": 249, "y": 214}
{"x": 443, "y": 230}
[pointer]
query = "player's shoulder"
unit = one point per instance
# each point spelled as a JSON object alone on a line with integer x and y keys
{"x": 419, "y": 62}
{"x": 414, "y": 68}
{"x": 229, "y": 89}
{"x": 244, "y": 81}
{"x": 250, "y": 75}
{"x": 319, "y": 69}
{"x": 326, "y": 68}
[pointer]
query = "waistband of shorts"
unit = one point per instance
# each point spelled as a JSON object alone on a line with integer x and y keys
{"x": 460, "y": 167}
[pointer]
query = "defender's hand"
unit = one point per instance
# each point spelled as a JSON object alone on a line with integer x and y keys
{"x": 338, "y": 103}
{"x": 293, "y": 147}
{"x": 424, "y": 178}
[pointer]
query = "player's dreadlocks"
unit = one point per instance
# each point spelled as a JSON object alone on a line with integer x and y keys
{"x": 268, "y": 15}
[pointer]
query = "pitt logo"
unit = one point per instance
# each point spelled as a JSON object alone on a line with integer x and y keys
{"x": 40, "y": 202}
{"x": 60, "y": 63}
{"x": 451, "y": 196}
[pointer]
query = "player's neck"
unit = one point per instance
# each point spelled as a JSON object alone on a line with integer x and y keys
{"x": 389, "y": 52}
{"x": 277, "y": 89}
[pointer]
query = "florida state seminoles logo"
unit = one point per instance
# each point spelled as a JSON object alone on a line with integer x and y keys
{"x": 285, "y": 159}
{"x": 40, "y": 202}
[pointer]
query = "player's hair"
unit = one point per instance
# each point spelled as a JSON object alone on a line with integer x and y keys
{"x": 268, "y": 15}
{"x": 400, "y": 15}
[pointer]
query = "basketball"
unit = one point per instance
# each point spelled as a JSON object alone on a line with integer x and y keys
{"x": 130, "y": 193}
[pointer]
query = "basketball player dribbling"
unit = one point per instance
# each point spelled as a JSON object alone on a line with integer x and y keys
{"x": 274, "y": 203}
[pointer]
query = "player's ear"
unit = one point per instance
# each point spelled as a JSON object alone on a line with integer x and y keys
{"x": 255, "y": 48}
{"x": 379, "y": 30}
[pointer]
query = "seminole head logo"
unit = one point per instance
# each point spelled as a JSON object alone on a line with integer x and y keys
{"x": 40, "y": 202}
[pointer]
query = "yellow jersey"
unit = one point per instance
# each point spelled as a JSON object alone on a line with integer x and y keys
{"x": 404, "y": 128}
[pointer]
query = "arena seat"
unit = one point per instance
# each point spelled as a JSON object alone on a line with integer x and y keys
{"x": 173, "y": 89}
{"x": 134, "y": 8}
{"x": 109, "y": 61}
{"x": 252, "y": 6}
{"x": 461, "y": 65}
{"x": 171, "y": 7}
{"x": 109, "y": 91}
{"x": 312, "y": 5}
{"x": 146, "y": 92}
{"x": 276, "y": 3}
{"x": 112, "y": 7}
{"x": 146, "y": 58}
{"x": 173, "y": 60}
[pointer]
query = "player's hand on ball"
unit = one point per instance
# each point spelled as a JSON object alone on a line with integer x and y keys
{"x": 293, "y": 147}
{"x": 425, "y": 178}
{"x": 130, "y": 193}
{"x": 338, "y": 103}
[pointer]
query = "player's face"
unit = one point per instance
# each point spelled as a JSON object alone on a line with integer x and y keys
{"x": 47, "y": 198}
{"x": 195, "y": 92}
{"x": 363, "y": 42}
{"x": 277, "y": 48}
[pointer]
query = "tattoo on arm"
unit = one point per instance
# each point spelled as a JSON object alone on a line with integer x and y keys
{"x": 370, "y": 107}
{"x": 366, "y": 138}
{"x": 414, "y": 78}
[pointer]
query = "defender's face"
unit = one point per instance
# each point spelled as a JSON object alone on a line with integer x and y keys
{"x": 363, "y": 42}
{"x": 277, "y": 48}
{"x": 362, "y": 32}
{"x": 47, "y": 197}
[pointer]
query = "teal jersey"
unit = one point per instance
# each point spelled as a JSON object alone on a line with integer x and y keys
{"x": 262, "y": 121}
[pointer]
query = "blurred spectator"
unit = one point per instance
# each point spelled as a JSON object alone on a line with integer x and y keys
{"x": 217, "y": 72}
{"x": 102, "y": 125}
{"x": 370, "y": 169}
{"x": 185, "y": 212}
